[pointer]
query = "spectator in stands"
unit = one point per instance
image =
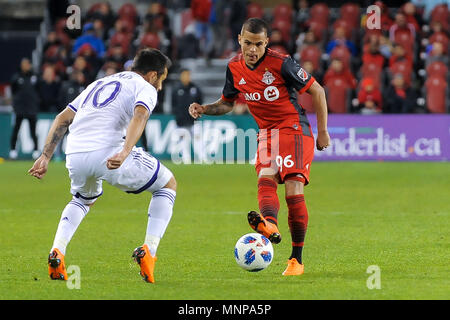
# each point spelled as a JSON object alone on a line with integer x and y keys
{"x": 52, "y": 40}
{"x": 25, "y": 103}
{"x": 301, "y": 8}
{"x": 276, "y": 41}
{"x": 109, "y": 68}
{"x": 385, "y": 18}
{"x": 238, "y": 15}
{"x": 157, "y": 21}
{"x": 400, "y": 98}
{"x": 412, "y": 16}
{"x": 315, "y": 72}
{"x": 219, "y": 27}
{"x": 401, "y": 23}
{"x": 88, "y": 52}
{"x": 116, "y": 54}
{"x": 184, "y": 93}
{"x": 80, "y": 64}
{"x": 385, "y": 47}
{"x": 399, "y": 54}
{"x": 428, "y": 6}
{"x": 48, "y": 87}
{"x": 369, "y": 97}
{"x": 105, "y": 13}
{"x": 435, "y": 52}
{"x": 305, "y": 38}
{"x": 201, "y": 11}
{"x": 100, "y": 30}
{"x": 339, "y": 39}
{"x": 372, "y": 54}
{"x": 337, "y": 69}
{"x": 188, "y": 46}
{"x": 90, "y": 37}
{"x": 71, "y": 88}
{"x": 436, "y": 27}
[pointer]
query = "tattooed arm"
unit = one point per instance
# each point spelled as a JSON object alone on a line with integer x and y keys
{"x": 56, "y": 133}
{"x": 217, "y": 108}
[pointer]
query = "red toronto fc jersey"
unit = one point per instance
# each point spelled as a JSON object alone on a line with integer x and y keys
{"x": 270, "y": 90}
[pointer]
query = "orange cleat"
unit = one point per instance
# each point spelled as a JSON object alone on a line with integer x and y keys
{"x": 147, "y": 262}
{"x": 56, "y": 266}
{"x": 294, "y": 268}
{"x": 264, "y": 227}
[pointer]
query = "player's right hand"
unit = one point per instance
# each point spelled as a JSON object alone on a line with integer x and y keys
{"x": 196, "y": 110}
{"x": 39, "y": 168}
{"x": 116, "y": 160}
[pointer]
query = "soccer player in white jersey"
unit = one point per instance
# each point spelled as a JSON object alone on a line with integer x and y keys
{"x": 105, "y": 122}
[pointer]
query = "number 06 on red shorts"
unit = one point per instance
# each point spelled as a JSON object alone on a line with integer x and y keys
{"x": 288, "y": 153}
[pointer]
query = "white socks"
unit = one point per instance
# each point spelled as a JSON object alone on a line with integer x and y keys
{"x": 159, "y": 215}
{"x": 71, "y": 217}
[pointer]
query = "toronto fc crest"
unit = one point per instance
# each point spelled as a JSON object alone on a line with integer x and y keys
{"x": 268, "y": 77}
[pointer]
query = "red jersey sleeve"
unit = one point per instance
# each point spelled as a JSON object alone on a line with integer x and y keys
{"x": 229, "y": 93}
{"x": 296, "y": 76}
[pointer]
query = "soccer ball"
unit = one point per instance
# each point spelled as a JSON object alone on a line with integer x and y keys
{"x": 253, "y": 252}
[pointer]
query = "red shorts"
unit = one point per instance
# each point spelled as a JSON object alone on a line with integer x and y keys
{"x": 288, "y": 153}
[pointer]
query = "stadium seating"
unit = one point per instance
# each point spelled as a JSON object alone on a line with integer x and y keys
{"x": 321, "y": 13}
{"x": 373, "y": 71}
{"x": 404, "y": 68}
{"x": 338, "y": 95}
{"x": 282, "y": 11}
{"x": 137, "y": 30}
{"x": 311, "y": 53}
{"x": 404, "y": 38}
{"x": 436, "y": 90}
{"x": 255, "y": 10}
{"x": 128, "y": 11}
{"x": 285, "y": 27}
{"x": 350, "y": 12}
{"x": 150, "y": 40}
{"x": 123, "y": 39}
{"x": 437, "y": 69}
{"x": 441, "y": 13}
{"x": 442, "y": 38}
{"x": 342, "y": 53}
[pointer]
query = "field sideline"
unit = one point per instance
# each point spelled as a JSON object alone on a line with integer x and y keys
{"x": 392, "y": 215}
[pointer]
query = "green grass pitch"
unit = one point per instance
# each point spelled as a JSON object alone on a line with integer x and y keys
{"x": 391, "y": 215}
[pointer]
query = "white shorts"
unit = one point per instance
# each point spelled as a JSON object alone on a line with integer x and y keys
{"x": 139, "y": 172}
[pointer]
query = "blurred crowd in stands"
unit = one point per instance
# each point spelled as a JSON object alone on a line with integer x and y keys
{"x": 400, "y": 67}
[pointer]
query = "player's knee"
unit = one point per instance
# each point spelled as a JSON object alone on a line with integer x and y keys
{"x": 86, "y": 202}
{"x": 172, "y": 184}
{"x": 294, "y": 185}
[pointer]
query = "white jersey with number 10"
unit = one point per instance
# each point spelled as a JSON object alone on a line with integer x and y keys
{"x": 104, "y": 110}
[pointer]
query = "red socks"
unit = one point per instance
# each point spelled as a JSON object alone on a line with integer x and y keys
{"x": 268, "y": 199}
{"x": 269, "y": 206}
{"x": 297, "y": 219}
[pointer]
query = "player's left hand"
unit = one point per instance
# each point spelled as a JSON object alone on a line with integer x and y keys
{"x": 116, "y": 160}
{"x": 323, "y": 140}
{"x": 39, "y": 168}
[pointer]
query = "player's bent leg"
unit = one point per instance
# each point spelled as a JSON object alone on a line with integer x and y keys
{"x": 265, "y": 222}
{"x": 71, "y": 217}
{"x": 159, "y": 215}
{"x": 298, "y": 222}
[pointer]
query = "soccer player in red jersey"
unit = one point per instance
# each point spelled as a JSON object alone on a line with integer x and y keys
{"x": 269, "y": 82}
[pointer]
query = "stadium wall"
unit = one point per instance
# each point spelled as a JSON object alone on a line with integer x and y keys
{"x": 230, "y": 139}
